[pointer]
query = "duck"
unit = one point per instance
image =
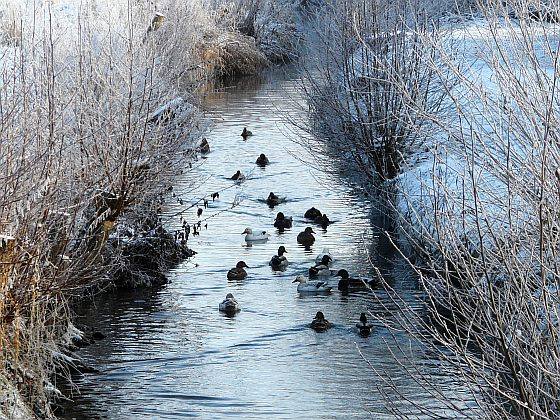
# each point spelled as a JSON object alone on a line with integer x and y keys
{"x": 279, "y": 262}
{"x": 255, "y": 237}
{"x": 323, "y": 221}
{"x": 319, "y": 323}
{"x": 346, "y": 283}
{"x": 282, "y": 222}
{"x": 238, "y": 272}
{"x": 306, "y": 237}
{"x": 312, "y": 213}
{"x": 238, "y": 176}
{"x": 262, "y": 160}
{"x": 322, "y": 269}
{"x": 319, "y": 258}
{"x": 204, "y": 147}
{"x": 229, "y": 305}
{"x": 364, "y": 329}
{"x": 306, "y": 286}
{"x": 246, "y": 133}
{"x": 274, "y": 200}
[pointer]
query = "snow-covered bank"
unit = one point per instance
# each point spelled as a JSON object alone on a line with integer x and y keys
{"x": 478, "y": 185}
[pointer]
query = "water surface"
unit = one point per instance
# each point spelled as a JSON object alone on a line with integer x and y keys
{"x": 169, "y": 353}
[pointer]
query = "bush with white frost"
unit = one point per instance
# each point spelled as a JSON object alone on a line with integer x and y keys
{"x": 92, "y": 133}
{"x": 479, "y": 217}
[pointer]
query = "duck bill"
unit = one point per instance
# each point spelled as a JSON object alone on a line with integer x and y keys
{"x": 295, "y": 281}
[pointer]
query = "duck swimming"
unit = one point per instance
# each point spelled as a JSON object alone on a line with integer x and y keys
{"x": 238, "y": 272}
{"x": 246, "y": 133}
{"x": 255, "y": 237}
{"x": 306, "y": 286}
{"x": 279, "y": 262}
{"x": 319, "y": 258}
{"x": 312, "y": 213}
{"x": 204, "y": 147}
{"x": 323, "y": 220}
{"x": 282, "y": 222}
{"x": 262, "y": 160}
{"x": 346, "y": 283}
{"x": 319, "y": 323}
{"x": 306, "y": 237}
{"x": 229, "y": 305}
{"x": 274, "y": 200}
{"x": 238, "y": 176}
{"x": 364, "y": 329}
{"x": 322, "y": 269}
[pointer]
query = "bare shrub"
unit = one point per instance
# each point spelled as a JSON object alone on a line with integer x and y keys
{"x": 355, "y": 90}
{"x": 482, "y": 218}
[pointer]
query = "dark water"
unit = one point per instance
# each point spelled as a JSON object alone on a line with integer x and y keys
{"x": 169, "y": 353}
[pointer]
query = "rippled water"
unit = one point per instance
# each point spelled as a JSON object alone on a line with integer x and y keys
{"x": 169, "y": 353}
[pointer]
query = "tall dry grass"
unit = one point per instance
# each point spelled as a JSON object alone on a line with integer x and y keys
{"x": 97, "y": 117}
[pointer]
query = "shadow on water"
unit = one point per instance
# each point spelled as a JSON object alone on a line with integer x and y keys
{"x": 169, "y": 353}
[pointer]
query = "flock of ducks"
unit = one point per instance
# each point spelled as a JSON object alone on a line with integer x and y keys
{"x": 321, "y": 278}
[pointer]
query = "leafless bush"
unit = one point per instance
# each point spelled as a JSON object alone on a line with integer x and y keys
{"x": 92, "y": 132}
{"x": 366, "y": 57}
{"x": 482, "y": 218}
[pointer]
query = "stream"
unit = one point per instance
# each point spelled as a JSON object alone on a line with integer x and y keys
{"x": 169, "y": 353}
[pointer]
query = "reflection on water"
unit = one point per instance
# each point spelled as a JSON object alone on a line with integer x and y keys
{"x": 169, "y": 353}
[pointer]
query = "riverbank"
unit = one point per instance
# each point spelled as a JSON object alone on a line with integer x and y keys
{"x": 169, "y": 351}
{"x": 111, "y": 134}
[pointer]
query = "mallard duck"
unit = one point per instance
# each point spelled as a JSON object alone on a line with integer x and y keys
{"x": 255, "y": 237}
{"x": 204, "y": 147}
{"x": 229, "y": 305}
{"x": 363, "y": 327}
{"x": 319, "y": 323}
{"x": 325, "y": 252}
{"x": 238, "y": 272}
{"x": 306, "y": 286}
{"x": 346, "y": 283}
{"x": 274, "y": 200}
{"x": 282, "y": 222}
{"x": 246, "y": 133}
{"x": 279, "y": 262}
{"x": 306, "y": 237}
{"x": 262, "y": 160}
{"x": 323, "y": 220}
{"x": 322, "y": 269}
{"x": 312, "y": 213}
{"x": 238, "y": 176}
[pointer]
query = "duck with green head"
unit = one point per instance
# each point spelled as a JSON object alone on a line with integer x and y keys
{"x": 346, "y": 283}
{"x": 364, "y": 329}
{"x": 279, "y": 262}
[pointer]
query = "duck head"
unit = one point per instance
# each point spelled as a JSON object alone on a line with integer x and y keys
{"x": 342, "y": 273}
{"x": 363, "y": 318}
{"x": 262, "y": 156}
{"x": 229, "y": 296}
{"x": 299, "y": 279}
{"x": 247, "y": 231}
{"x": 320, "y": 316}
{"x": 282, "y": 251}
{"x": 280, "y": 216}
{"x": 241, "y": 264}
{"x": 326, "y": 260}
{"x": 309, "y": 230}
{"x": 272, "y": 196}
